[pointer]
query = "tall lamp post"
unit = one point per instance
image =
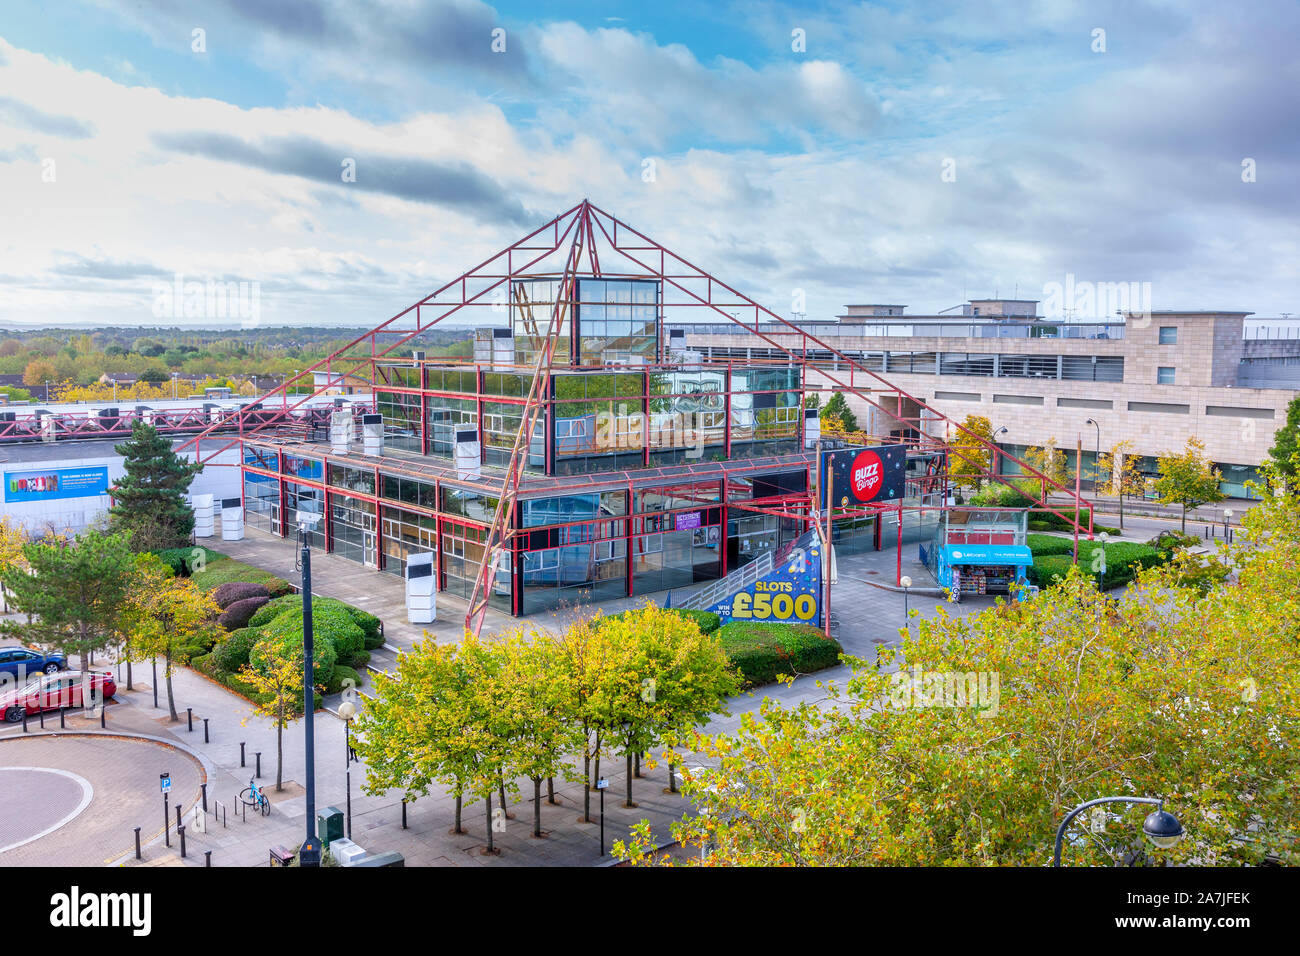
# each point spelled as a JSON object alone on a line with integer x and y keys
{"x": 1160, "y": 827}
{"x": 310, "y": 852}
{"x": 1096, "y": 464}
{"x": 348, "y": 710}
{"x": 906, "y": 582}
{"x": 1227, "y": 530}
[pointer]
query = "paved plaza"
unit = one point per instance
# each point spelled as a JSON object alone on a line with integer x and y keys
{"x": 73, "y": 796}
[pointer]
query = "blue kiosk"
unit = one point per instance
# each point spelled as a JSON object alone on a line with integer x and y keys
{"x": 981, "y": 552}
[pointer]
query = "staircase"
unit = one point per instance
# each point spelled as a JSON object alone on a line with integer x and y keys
{"x": 737, "y": 580}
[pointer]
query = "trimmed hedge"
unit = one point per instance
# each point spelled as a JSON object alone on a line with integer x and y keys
{"x": 237, "y": 615}
{"x": 182, "y": 560}
{"x": 762, "y": 651}
{"x": 204, "y": 665}
{"x": 289, "y": 642}
{"x": 224, "y": 571}
{"x": 227, "y": 594}
{"x": 341, "y": 673}
{"x": 231, "y": 652}
{"x": 1123, "y": 561}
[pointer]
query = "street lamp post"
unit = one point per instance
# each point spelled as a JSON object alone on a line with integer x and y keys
{"x": 348, "y": 710}
{"x": 1227, "y": 531}
{"x": 1096, "y": 464}
{"x": 1160, "y": 827}
{"x": 310, "y": 852}
{"x": 906, "y": 582}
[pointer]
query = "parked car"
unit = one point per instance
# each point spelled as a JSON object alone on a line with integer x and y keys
{"x": 23, "y": 662}
{"x": 54, "y": 692}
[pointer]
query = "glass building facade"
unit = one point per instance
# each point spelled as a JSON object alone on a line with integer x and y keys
{"x": 593, "y": 520}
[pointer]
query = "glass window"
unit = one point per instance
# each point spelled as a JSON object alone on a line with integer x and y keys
{"x": 1165, "y": 375}
{"x": 353, "y": 479}
{"x": 405, "y": 533}
{"x": 352, "y": 529}
{"x": 1168, "y": 335}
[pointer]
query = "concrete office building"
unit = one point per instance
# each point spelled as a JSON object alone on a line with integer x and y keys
{"x": 1154, "y": 380}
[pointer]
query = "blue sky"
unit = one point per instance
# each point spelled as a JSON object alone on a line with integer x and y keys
{"x": 818, "y": 171}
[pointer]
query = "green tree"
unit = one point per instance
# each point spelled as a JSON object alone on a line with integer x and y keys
{"x": 969, "y": 459}
{"x": 277, "y": 676}
{"x": 167, "y": 617}
{"x": 72, "y": 592}
{"x": 154, "y": 376}
{"x": 836, "y": 415}
{"x": 149, "y": 500}
{"x": 1177, "y": 693}
{"x": 1188, "y": 478}
{"x": 1118, "y": 475}
{"x": 1286, "y": 443}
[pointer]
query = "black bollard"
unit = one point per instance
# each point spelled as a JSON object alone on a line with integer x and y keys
{"x": 42, "y": 718}
{"x": 207, "y": 857}
{"x": 24, "y": 720}
{"x": 137, "y": 843}
{"x": 179, "y": 821}
{"x": 203, "y": 787}
{"x": 62, "y": 725}
{"x": 181, "y": 831}
{"x": 102, "y": 711}
{"x": 189, "y": 716}
{"x": 241, "y": 753}
{"x": 205, "y": 730}
{"x": 258, "y": 755}
{"x": 403, "y": 814}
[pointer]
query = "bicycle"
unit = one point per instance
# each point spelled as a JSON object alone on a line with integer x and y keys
{"x": 253, "y": 797}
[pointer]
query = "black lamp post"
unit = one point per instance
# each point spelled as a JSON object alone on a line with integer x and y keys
{"x": 310, "y": 852}
{"x": 348, "y": 710}
{"x": 1160, "y": 827}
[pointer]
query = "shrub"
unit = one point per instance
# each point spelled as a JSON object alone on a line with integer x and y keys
{"x": 225, "y": 570}
{"x": 227, "y": 594}
{"x": 1123, "y": 561}
{"x": 761, "y": 652}
{"x": 1173, "y": 540}
{"x": 707, "y": 621}
{"x": 182, "y": 560}
{"x": 239, "y": 613}
{"x": 331, "y": 618}
{"x": 341, "y": 673}
{"x": 231, "y": 652}
{"x": 1049, "y": 544}
{"x": 290, "y": 642}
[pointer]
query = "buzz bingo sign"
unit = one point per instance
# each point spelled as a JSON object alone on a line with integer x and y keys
{"x": 861, "y": 476}
{"x": 790, "y": 593}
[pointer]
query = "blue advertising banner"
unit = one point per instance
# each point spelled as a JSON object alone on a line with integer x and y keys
{"x": 791, "y": 592}
{"x": 55, "y": 483}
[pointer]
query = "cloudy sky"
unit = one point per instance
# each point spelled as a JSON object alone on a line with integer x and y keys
{"x": 909, "y": 152}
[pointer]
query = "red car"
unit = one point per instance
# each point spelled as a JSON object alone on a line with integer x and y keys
{"x": 54, "y": 692}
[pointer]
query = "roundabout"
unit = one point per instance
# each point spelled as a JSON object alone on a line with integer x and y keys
{"x": 74, "y": 799}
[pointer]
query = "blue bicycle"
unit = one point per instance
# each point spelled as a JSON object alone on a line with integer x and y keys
{"x": 253, "y": 797}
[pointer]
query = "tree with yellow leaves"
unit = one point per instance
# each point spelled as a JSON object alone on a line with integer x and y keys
{"x": 1118, "y": 475}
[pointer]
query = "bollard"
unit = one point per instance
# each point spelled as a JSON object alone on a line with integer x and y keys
{"x": 103, "y": 709}
{"x": 258, "y": 755}
{"x": 137, "y": 843}
{"x": 189, "y": 716}
{"x": 207, "y": 857}
{"x": 403, "y": 814}
{"x": 181, "y": 831}
{"x": 205, "y": 730}
{"x": 179, "y": 821}
{"x": 42, "y": 718}
{"x": 203, "y": 788}
{"x": 25, "y": 719}
{"x": 241, "y": 753}
{"x": 62, "y": 725}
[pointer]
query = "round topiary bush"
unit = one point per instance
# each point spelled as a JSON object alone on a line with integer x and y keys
{"x": 341, "y": 673}
{"x": 227, "y": 594}
{"x": 240, "y": 613}
{"x": 287, "y": 643}
{"x": 231, "y": 652}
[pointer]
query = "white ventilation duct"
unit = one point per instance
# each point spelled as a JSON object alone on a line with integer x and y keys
{"x": 204, "y": 516}
{"x": 232, "y": 519}
{"x": 340, "y": 429}
{"x": 812, "y": 428}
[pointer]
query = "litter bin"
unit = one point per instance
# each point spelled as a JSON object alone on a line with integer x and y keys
{"x": 329, "y": 825}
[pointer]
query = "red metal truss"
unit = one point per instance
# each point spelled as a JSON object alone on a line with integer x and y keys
{"x": 473, "y": 289}
{"x": 628, "y": 254}
{"x": 498, "y": 538}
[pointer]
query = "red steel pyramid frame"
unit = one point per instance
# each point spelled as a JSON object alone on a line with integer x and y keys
{"x": 582, "y": 231}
